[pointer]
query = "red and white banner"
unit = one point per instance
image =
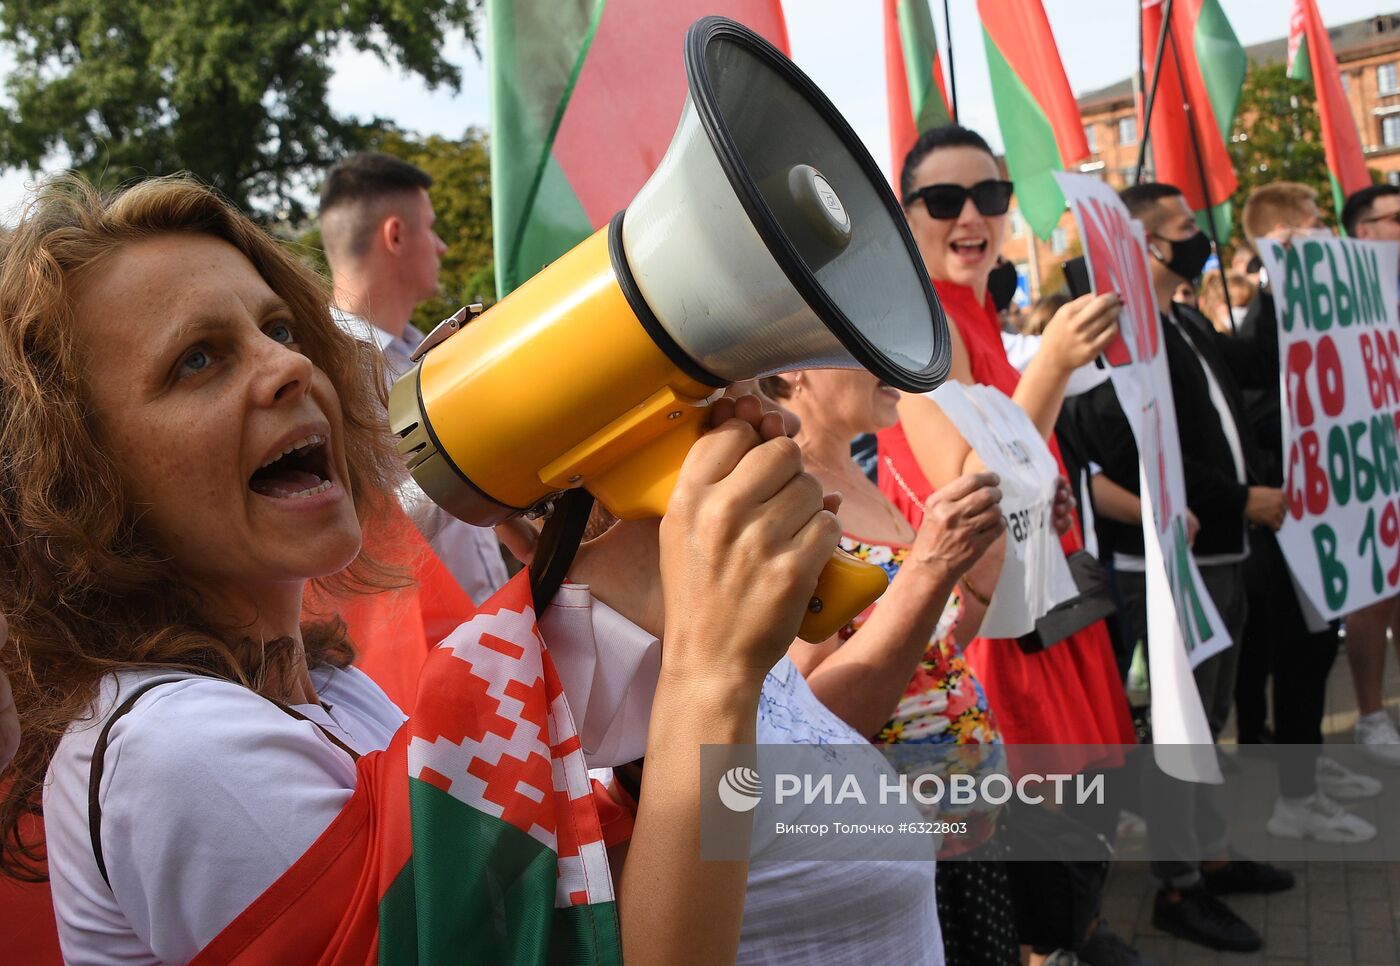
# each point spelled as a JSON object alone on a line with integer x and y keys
{"x": 1183, "y": 626}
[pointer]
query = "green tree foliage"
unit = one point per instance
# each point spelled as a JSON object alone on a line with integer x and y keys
{"x": 461, "y": 196}
{"x": 1278, "y": 137}
{"x": 233, "y": 91}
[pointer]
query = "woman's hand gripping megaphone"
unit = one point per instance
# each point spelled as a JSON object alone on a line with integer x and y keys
{"x": 621, "y": 566}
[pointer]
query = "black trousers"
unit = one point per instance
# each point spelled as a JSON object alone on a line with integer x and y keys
{"x": 1278, "y": 644}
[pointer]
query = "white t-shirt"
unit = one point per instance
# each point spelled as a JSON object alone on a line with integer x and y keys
{"x": 188, "y": 751}
{"x": 835, "y": 913}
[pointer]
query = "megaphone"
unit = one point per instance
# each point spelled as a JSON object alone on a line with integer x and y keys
{"x": 765, "y": 241}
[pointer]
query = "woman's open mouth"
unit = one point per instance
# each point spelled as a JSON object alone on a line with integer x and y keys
{"x": 969, "y": 247}
{"x": 300, "y": 471}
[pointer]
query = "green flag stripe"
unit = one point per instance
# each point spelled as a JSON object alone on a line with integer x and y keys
{"x": 464, "y": 859}
{"x": 1339, "y": 197}
{"x": 1032, "y": 155}
{"x": 1222, "y": 62}
{"x": 1224, "y": 215}
{"x": 916, "y": 35}
{"x": 546, "y": 157}
{"x": 1301, "y": 68}
{"x": 556, "y": 223}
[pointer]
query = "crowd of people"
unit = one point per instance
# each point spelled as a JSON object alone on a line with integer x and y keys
{"x": 196, "y": 448}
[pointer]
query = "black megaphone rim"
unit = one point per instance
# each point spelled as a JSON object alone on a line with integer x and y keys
{"x": 702, "y": 95}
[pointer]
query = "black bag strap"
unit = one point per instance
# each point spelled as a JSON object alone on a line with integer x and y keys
{"x": 99, "y": 755}
{"x": 558, "y": 545}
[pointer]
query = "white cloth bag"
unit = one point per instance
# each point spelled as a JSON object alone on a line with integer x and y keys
{"x": 1035, "y": 576}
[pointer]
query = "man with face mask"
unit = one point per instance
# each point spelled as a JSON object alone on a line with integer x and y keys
{"x": 1224, "y": 491}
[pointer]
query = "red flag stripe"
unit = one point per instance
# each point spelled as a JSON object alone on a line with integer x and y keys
{"x": 1021, "y": 31}
{"x": 629, "y": 94}
{"x": 1173, "y": 151}
{"x": 903, "y": 130}
{"x": 1339, "y": 134}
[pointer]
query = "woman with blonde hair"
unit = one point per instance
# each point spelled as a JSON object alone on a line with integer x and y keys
{"x": 189, "y": 441}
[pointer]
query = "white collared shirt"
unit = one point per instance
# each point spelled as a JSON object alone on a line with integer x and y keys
{"x": 471, "y": 554}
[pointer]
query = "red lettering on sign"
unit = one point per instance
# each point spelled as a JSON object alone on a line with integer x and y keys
{"x": 1330, "y": 386}
{"x": 1375, "y": 384}
{"x": 1117, "y": 263}
{"x": 1300, "y": 355}
{"x": 1315, "y": 490}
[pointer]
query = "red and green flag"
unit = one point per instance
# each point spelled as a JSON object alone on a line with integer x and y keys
{"x": 1040, "y": 124}
{"x": 914, "y": 86}
{"x": 585, "y": 95}
{"x": 476, "y": 837}
{"x": 1203, "y": 65}
{"x": 1310, "y": 57}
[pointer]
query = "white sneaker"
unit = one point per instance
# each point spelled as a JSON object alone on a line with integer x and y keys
{"x": 1342, "y": 784}
{"x": 1379, "y": 740}
{"x": 1318, "y": 817}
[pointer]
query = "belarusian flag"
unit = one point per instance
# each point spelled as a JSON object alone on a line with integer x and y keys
{"x": 585, "y": 95}
{"x": 475, "y": 837}
{"x": 1203, "y": 64}
{"x": 1039, "y": 117}
{"x": 913, "y": 77}
{"x": 1310, "y": 57}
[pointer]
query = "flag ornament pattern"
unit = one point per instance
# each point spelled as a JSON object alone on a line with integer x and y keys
{"x": 1041, "y": 127}
{"x": 1310, "y": 58}
{"x": 518, "y": 756}
{"x": 914, "y": 88}
{"x": 1204, "y": 65}
{"x": 475, "y": 837}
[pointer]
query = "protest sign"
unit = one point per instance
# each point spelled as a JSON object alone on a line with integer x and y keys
{"x": 1184, "y": 627}
{"x": 1339, "y": 349}
{"x": 1034, "y": 576}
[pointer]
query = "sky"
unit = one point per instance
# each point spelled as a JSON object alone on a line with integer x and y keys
{"x": 1097, "y": 41}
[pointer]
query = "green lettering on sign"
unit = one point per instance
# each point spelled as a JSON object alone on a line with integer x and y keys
{"x": 1342, "y": 294}
{"x": 1334, "y": 575}
{"x": 1295, "y": 291}
{"x": 1319, "y": 292}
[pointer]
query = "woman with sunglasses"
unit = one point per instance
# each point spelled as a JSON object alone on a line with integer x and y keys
{"x": 956, "y": 202}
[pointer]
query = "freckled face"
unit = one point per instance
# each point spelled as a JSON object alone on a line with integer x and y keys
{"x": 227, "y": 437}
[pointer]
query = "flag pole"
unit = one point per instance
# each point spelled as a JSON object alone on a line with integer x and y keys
{"x": 1201, "y": 174}
{"x": 1140, "y": 93}
{"x": 952, "y": 73}
{"x": 1151, "y": 93}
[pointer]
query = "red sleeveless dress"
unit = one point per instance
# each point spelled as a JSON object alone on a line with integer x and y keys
{"x": 1068, "y": 693}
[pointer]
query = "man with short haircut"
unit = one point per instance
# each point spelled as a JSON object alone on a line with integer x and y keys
{"x": 377, "y": 226}
{"x": 1185, "y": 820}
{"x": 1373, "y": 214}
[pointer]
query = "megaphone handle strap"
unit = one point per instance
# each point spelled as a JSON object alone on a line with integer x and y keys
{"x": 559, "y": 542}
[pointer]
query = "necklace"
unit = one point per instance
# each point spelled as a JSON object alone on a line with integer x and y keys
{"x": 857, "y": 486}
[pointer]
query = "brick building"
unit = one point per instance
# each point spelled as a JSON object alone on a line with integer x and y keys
{"x": 1368, "y": 52}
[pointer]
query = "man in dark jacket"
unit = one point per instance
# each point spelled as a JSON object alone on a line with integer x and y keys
{"x": 1224, "y": 491}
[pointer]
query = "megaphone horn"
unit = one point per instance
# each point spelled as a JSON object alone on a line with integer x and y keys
{"x": 765, "y": 241}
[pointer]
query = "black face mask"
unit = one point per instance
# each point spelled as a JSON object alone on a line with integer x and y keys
{"x": 1002, "y": 283}
{"x": 1189, "y": 256}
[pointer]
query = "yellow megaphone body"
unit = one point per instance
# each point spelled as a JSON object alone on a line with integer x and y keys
{"x": 765, "y": 241}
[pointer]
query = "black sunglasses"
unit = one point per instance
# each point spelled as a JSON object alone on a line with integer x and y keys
{"x": 945, "y": 201}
